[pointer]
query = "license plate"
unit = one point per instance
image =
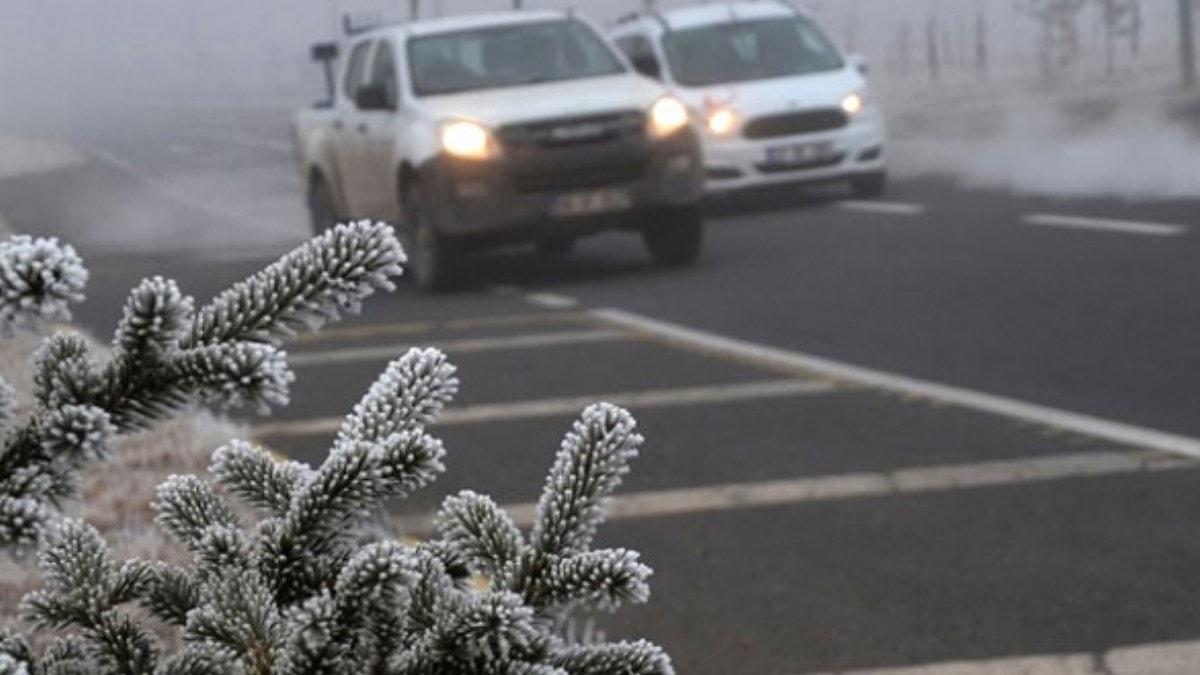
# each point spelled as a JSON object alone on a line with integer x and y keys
{"x": 802, "y": 153}
{"x": 591, "y": 202}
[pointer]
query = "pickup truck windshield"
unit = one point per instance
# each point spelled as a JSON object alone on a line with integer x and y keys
{"x": 508, "y": 56}
{"x": 749, "y": 50}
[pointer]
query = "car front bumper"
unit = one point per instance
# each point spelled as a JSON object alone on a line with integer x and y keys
{"x": 738, "y": 163}
{"x": 514, "y": 198}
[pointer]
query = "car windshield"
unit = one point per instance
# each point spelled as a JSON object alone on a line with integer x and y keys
{"x": 749, "y": 50}
{"x": 507, "y": 56}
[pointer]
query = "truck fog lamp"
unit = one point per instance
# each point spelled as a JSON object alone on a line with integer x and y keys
{"x": 679, "y": 164}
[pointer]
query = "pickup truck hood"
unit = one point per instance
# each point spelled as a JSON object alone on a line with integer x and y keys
{"x": 548, "y": 100}
{"x": 818, "y": 90}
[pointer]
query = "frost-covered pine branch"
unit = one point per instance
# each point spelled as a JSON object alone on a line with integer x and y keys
{"x": 304, "y": 591}
{"x": 39, "y": 278}
{"x": 166, "y": 355}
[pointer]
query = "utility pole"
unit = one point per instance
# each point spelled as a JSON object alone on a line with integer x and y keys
{"x": 1187, "y": 42}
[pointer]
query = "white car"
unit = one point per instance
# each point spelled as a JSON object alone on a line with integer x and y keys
{"x": 777, "y": 99}
{"x": 479, "y": 130}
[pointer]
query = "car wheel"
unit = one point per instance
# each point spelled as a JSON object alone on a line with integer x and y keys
{"x": 674, "y": 237}
{"x": 321, "y": 210}
{"x": 555, "y": 246}
{"x": 428, "y": 264}
{"x": 869, "y": 184}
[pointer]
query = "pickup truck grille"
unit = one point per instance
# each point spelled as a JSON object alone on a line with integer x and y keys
{"x": 794, "y": 124}
{"x": 575, "y": 131}
{"x": 576, "y": 152}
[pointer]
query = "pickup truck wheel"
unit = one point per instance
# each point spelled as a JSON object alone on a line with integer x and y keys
{"x": 321, "y": 211}
{"x": 674, "y": 237}
{"x": 428, "y": 264}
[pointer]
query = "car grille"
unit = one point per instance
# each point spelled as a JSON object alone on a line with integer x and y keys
{"x": 576, "y": 152}
{"x": 795, "y": 124}
{"x": 805, "y": 166}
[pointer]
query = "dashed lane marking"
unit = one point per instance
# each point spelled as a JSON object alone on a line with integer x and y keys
{"x": 468, "y": 346}
{"x": 420, "y": 327}
{"x": 563, "y": 407}
{"x": 801, "y": 364}
{"x": 1168, "y": 658}
{"x": 552, "y": 300}
{"x": 896, "y": 483}
{"x": 882, "y": 208}
{"x": 1104, "y": 225}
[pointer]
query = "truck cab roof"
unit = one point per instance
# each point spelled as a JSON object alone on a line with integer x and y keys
{"x": 452, "y": 24}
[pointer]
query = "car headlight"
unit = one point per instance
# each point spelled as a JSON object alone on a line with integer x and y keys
{"x": 723, "y": 121}
{"x": 854, "y": 104}
{"x": 468, "y": 140}
{"x": 667, "y": 116}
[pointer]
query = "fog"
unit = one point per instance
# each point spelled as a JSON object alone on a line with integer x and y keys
{"x": 74, "y": 64}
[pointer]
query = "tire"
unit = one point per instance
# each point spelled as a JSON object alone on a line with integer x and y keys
{"x": 674, "y": 237}
{"x": 555, "y": 246}
{"x": 868, "y": 185}
{"x": 428, "y": 252}
{"x": 322, "y": 211}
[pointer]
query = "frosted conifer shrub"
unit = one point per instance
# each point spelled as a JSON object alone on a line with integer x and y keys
{"x": 165, "y": 355}
{"x": 302, "y": 591}
{"x": 305, "y": 587}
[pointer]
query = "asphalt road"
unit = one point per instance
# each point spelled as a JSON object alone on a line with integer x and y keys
{"x": 945, "y": 426}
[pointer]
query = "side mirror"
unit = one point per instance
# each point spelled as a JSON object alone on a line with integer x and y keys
{"x": 647, "y": 65}
{"x": 325, "y": 51}
{"x": 859, "y": 63}
{"x": 372, "y": 97}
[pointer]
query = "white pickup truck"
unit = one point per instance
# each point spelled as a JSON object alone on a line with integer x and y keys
{"x": 482, "y": 130}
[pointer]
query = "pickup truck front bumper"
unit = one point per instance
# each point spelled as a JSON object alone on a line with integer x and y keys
{"x": 519, "y": 196}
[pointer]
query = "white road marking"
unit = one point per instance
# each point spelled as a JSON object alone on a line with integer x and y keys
{"x": 1167, "y": 658}
{"x": 552, "y": 300}
{"x": 895, "y": 483}
{"x": 1104, "y": 225}
{"x": 468, "y": 346}
{"x": 245, "y": 140}
{"x": 883, "y": 208}
{"x": 419, "y": 327}
{"x": 556, "y": 407}
{"x": 802, "y": 364}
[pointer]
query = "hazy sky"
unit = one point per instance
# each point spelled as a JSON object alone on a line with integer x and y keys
{"x": 91, "y": 49}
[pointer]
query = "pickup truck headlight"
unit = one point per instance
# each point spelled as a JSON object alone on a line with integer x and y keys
{"x": 468, "y": 140}
{"x": 854, "y": 104}
{"x": 667, "y": 116}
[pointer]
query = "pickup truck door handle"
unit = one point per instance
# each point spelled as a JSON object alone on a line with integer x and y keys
{"x": 337, "y": 125}
{"x": 363, "y": 128}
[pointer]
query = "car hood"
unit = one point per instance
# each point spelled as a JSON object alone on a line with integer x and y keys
{"x": 818, "y": 90}
{"x": 547, "y": 100}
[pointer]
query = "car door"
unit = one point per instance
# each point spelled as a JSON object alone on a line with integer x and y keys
{"x": 348, "y": 145}
{"x": 379, "y": 132}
